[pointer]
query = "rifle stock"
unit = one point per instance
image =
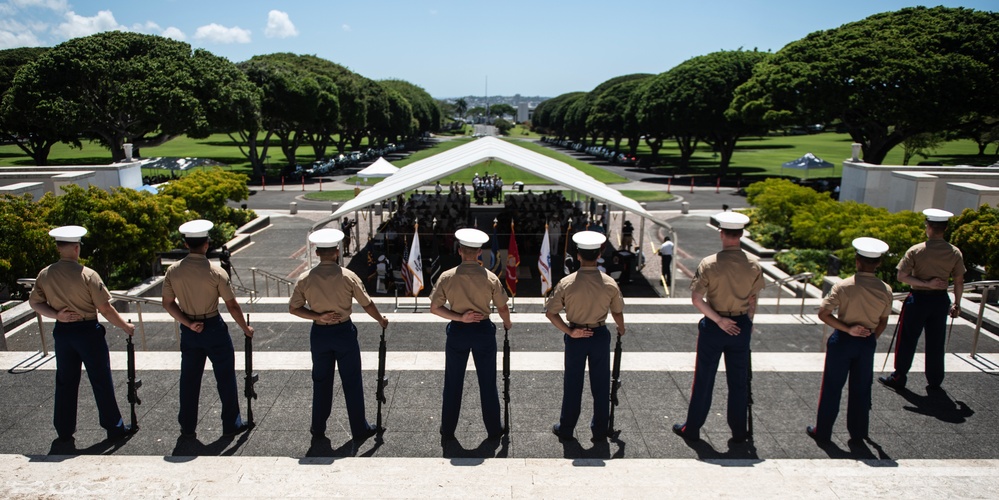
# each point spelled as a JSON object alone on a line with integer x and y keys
{"x": 506, "y": 381}
{"x": 615, "y": 383}
{"x": 749, "y": 394}
{"x": 382, "y": 381}
{"x": 133, "y": 383}
{"x": 251, "y": 378}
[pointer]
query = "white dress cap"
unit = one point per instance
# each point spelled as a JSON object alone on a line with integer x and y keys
{"x": 870, "y": 247}
{"x": 472, "y": 238}
{"x": 326, "y": 238}
{"x": 937, "y": 215}
{"x": 196, "y": 228}
{"x": 588, "y": 240}
{"x": 68, "y": 234}
{"x": 731, "y": 220}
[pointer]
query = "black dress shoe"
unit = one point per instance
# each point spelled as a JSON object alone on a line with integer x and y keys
{"x": 815, "y": 435}
{"x": 891, "y": 382}
{"x": 447, "y": 438}
{"x": 120, "y": 432}
{"x": 65, "y": 439}
{"x": 364, "y": 435}
{"x": 738, "y": 439}
{"x": 238, "y": 430}
{"x": 680, "y": 430}
{"x": 561, "y": 437}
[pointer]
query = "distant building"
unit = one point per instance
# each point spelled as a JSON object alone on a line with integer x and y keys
{"x": 525, "y": 111}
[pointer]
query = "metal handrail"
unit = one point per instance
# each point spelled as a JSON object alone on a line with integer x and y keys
{"x": 29, "y": 283}
{"x": 270, "y": 276}
{"x": 803, "y": 277}
{"x": 138, "y": 301}
{"x": 986, "y": 286}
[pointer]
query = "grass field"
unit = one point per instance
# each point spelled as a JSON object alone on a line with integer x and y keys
{"x": 343, "y": 195}
{"x": 753, "y": 156}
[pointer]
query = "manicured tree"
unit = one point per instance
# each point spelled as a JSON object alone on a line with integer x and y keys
{"x": 976, "y": 233}
{"x": 118, "y": 87}
{"x": 33, "y": 135}
{"x": 886, "y": 78}
{"x": 607, "y": 117}
{"x": 26, "y": 246}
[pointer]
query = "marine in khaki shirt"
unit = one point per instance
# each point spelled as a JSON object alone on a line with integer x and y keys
{"x": 724, "y": 289}
{"x": 191, "y": 291}
{"x": 858, "y": 309}
{"x": 462, "y": 295}
{"x": 587, "y": 296}
{"x": 323, "y": 294}
{"x": 928, "y": 268}
{"x": 73, "y": 294}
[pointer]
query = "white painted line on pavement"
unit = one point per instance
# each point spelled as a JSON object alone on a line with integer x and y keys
{"x": 519, "y": 361}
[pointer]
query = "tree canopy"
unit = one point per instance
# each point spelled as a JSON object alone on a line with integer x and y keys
{"x": 887, "y": 77}
{"x": 116, "y": 87}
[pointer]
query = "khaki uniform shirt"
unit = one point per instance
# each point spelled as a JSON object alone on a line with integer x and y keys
{"x": 727, "y": 280}
{"x": 862, "y": 299}
{"x": 932, "y": 259}
{"x": 587, "y": 295}
{"x": 468, "y": 287}
{"x": 197, "y": 284}
{"x": 69, "y": 284}
{"x": 329, "y": 288}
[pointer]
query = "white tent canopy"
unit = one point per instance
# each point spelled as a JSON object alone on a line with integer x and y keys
{"x": 380, "y": 168}
{"x": 806, "y": 163}
{"x": 436, "y": 167}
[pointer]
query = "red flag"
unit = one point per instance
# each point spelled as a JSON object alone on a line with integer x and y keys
{"x": 512, "y": 261}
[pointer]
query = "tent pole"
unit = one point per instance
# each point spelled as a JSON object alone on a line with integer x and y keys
{"x": 641, "y": 236}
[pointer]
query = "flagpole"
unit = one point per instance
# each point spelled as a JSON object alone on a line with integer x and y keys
{"x": 416, "y": 236}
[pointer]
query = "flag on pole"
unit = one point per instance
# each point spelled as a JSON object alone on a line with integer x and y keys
{"x": 568, "y": 258}
{"x": 545, "y": 264}
{"x": 512, "y": 261}
{"x": 414, "y": 265}
{"x": 407, "y": 277}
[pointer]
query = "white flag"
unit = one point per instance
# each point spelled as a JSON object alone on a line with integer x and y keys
{"x": 545, "y": 264}
{"x": 415, "y": 264}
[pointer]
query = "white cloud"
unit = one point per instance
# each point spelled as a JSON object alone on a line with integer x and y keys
{"x": 56, "y": 5}
{"x": 148, "y": 27}
{"x": 14, "y": 34}
{"x": 279, "y": 25}
{"x": 77, "y": 25}
{"x": 174, "y": 33}
{"x": 345, "y": 27}
{"x": 220, "y": 34}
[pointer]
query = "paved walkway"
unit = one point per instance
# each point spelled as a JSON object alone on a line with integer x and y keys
{"x": 923, "y": 445}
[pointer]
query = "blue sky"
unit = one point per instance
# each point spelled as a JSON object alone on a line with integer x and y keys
{"x": 450, "y": 47}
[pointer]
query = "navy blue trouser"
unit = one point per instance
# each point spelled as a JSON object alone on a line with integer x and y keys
{"x": 77, "y": 343}
{"x": 712, "y": 342}
{"x": 479, "y": 339}
{"x": 846, "y": 356}
{"x": 332, "y": 344}
{"x": 923, "y": 311}
{"x": 596, "y": 349}
{"x": 215, "y": 344}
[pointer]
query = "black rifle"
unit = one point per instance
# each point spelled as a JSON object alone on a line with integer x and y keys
{"x": 506, "y": 381}
{"x": 898, "y": 324}
{"x": 251, "y": 378}
{"x": 615, "y": 383}
{"x": 749, "y": 393}
{"x": 133, "y": 383}
{"x": 382, "y": 381}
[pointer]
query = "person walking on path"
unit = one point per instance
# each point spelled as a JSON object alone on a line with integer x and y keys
{"x": 725, "y": 289}
{"x": 862, "y": 303}
{"x": 323, "y": 294}
{"x": 927, "y": 267}
{"x": 468, "y": 289}
{"x": 191, "y": 291}
{"x": 587, "y": 296}
{"x": 666, "y": 255}
{"x": 73, "y": 294}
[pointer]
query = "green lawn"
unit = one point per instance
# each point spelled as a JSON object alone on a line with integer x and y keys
{"x": 753, "y": 156}
{"x": 764, "y": 155}
{"x": 343, "y": 195}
